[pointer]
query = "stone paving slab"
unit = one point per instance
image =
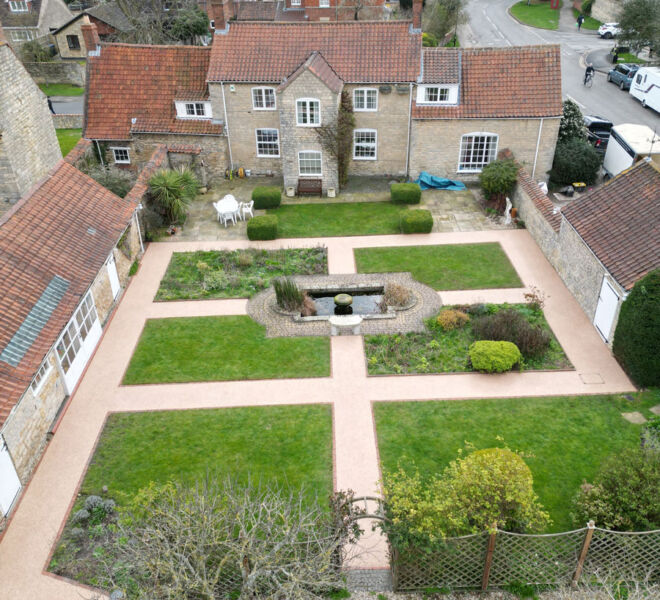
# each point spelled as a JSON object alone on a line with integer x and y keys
{"x": 634, "y": 417}
{"x": 655, "y": 409}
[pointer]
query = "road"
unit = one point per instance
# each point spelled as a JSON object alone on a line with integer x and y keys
{"x": 67, "y": 105}
{"x": 491, "y": 25}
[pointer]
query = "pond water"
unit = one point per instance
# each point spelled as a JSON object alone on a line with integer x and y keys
{"x": 364, "y": 303}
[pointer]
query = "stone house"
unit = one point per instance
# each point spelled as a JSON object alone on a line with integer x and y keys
{"x": 109, "y": 20}
{"x": 445, "y": 110}
{"x": 25, "y": 20}
{"x": 28, "y": 143}
{"x": 65, "y": 252}
{"x": 603, "y": 242}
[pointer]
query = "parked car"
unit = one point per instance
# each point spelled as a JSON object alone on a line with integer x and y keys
{"x": 598, "y": 131}
{"x": 609, "y": 30}
{"x": 622, "y": 75}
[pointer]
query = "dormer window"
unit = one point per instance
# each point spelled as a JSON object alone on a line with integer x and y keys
{"x": 18, "y": 6}
{"x": 263, "y": 98}
{"x": 193, "y": 110}
{"x": 437, "y": 94}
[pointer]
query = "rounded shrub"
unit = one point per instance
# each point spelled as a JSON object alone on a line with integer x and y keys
{"x": 266, "y": 196}
{"x": 637, "y": 336}
{"x": 575, "y": 160}
{"x": 498, "y": 177}
{"x": 494, "y": 357}
{"x": 450, "y": 319}
{"x": 262, "y": 227}
{"x": 405, "y": 193}
{"x": 416, "y": 221}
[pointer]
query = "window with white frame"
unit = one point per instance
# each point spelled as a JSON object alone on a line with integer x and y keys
{"x": 309, "y": 163}
{"x": 477, "y": 150}
{"x": 308, "y": 112}
{"x": 436, "y": 94}
{"x": 76, "y": 332}
{"x": 295, "y": 2}
{"x": 263, "y": 98}
{"x": 121, "y": 156}
{"x": 193, "y": 110}
{"x": 18, "y": 6}
{"x": 324, "y": 3}
{"x": 40, "y": 377}
{"x": 21, "y": 35}
{"x": 364, "y": 144}
{"x": 268, "y": 142}
{"x": 365, "y": 99}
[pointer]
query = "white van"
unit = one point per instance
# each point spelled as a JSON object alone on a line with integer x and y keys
{"x": 629, "y": 143}
{"x": 646, "y": 87}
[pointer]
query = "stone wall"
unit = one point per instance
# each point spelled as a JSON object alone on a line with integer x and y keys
{"x": 435, "y": 144}
{"x": 607, "y": 11}
{"x": 29, "y": 147}
{"x": 68, "y": 121}
{"x": 62, "y": 44}
{"x": 72, "y": 73}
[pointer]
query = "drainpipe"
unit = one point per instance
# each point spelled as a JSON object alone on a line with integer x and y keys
{"x": 224, "y": 106}
{"x": 410, "y": 86}
{"x": 538, "y": 141}
{"x": 137, "y": 224}
{"x": 98, "y": 149}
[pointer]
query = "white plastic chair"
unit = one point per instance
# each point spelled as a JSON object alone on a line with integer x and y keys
{"x": 229, "y": 216}
{"x": 246, "y": 208}
{"x": 219, "y": 213}
{"x": 239, "y": 212}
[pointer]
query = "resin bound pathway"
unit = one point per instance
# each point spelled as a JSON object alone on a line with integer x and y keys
{"x": 36, "y": 523}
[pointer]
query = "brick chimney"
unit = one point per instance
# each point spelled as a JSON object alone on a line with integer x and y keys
{"x": 91, "y": 36}
{"x": 417, "y": 14}
{"x": 221, "y": 12}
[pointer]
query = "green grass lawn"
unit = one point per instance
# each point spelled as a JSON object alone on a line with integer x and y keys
{"x": 448, "y": 267}
{"x": 438, "y": 351}
{"x": 589, "y": 22}
{"x": 68, "y": 138}
{"x": 338, "y": 219}
{"x": 537, "y": 14}
{"x": 222, "y": 349}
{"x": 235, "y": 274}
{"x": 61, "y": 89}
{"x": 568, "y": 437}
{"x": 627, "y": 57}
{"x": 287, "y": 444}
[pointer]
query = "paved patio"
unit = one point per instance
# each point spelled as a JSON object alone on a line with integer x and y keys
{"x": 37, "y": 522}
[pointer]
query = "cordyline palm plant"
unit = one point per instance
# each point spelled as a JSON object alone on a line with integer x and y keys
{"x": 172, "y": 191}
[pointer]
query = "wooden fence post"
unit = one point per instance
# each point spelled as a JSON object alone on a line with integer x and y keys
{"x": 583, "y": 553}
{"x": 489, "y": 558}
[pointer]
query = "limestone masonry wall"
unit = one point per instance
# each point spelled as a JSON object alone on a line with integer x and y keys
{"x": 607, "y": 11}
{"x": 72, "y": 73}
{"x": 61, "y": 121}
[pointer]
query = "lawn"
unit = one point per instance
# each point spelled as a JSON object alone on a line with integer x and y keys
{"x": 61, "y": 89}
{"x": 222, "y": 349}
{"x": 449, "y": 267}
{"x": 68, "y": 138}
{"x": 627, "y": 57}
{"x": 568, "y": 437}
{"x": 235, "y": 274}
{"x": 589, "y": 22}
{"x": 337, "y": 219}
{"x": 537, "y": 14}
{"x": 438, "y": 351}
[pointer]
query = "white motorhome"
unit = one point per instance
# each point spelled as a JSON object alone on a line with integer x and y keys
{"x": 646, "y": 87}
{"x": 629, "y": 143}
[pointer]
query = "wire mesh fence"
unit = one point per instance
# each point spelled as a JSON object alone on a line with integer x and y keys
{"x": 494, "y": 560}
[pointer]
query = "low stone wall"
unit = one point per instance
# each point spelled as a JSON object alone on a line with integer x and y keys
{"x": 72, "y": 73}
{"x": 68, "y": 121}
{"x": 607, "y": 11}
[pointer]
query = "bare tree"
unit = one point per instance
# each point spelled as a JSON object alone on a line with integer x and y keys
{"x": 336, "y": 136}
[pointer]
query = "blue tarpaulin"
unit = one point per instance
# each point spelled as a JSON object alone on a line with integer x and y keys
{"x": 431, "y": 182}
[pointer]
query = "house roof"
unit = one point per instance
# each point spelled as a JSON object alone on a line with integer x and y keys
{"x": 20, "y": 19}
{"x": 140, "y": 83}
{"x": 521, "y": 81}
{"x": 620, "y": 222}
{"x": 358, "y": 51}
{"x": 317, "y": 65}
{"x": 53, "y": 242}
{"x": 249, "y": 10}
{"x": 109, "y": 13}
{"x": 441, "y": 67}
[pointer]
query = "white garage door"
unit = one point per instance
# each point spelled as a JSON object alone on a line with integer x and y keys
{"x": 606, "y": 310}
{"x": 10, "y": 484}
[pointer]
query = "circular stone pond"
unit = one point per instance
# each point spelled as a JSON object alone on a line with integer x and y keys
{"x": 366, "y": 288}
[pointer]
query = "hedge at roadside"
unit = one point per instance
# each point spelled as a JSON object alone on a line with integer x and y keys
{"x": 416, "y": 221}
{"x": 266, "y": 196}
{"x": 262, "y": 227}
{"x": 494, "y": 357}
{"x": 405, "y": 193}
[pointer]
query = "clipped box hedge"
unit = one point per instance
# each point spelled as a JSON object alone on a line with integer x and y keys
{"x": 262, "y": 227}
{"x": 494, "y": 357}
{"x": 405, "y": 193}
{"x": 266, "y": 196}
{"x": 416, "y": 221}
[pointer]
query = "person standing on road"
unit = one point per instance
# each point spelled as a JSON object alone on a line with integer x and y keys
{"x": 580, "y": 20}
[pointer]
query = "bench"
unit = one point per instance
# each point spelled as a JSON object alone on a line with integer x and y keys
{"x": 310, "y": 186}
{"x": 340, "y": 324}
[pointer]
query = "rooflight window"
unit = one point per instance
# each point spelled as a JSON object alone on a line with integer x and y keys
{"x": 263, "y": 98}
{"x": 121, "y": 156}
{"x": 365, "y": 99}
{"x": 18, "y": 6}
{"x": 308, "y": 112}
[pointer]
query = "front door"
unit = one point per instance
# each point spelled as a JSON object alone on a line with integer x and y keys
{"x": 77, "y": 343}
{"x": 113, "y": 276}
{"x": 10, "y": 484}
{"x": 608, "y": 301}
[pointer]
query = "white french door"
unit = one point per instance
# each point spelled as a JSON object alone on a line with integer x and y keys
{"x": 113, "y": 276}
{"x": 608, "y": 301}
{"x": 10, "y": 484}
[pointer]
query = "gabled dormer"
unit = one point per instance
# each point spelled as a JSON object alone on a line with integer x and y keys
{"x": 440, "y": 81}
